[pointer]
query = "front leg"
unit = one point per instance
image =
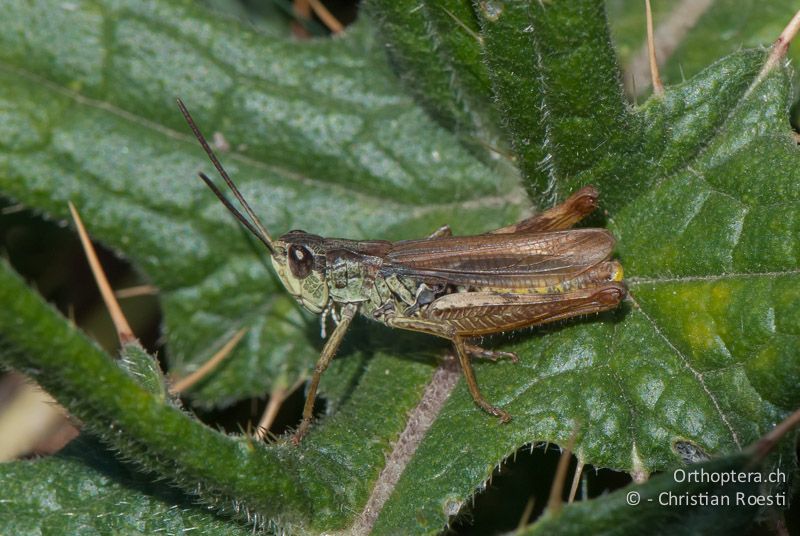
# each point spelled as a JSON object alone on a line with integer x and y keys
{"x": 328, "y": 351}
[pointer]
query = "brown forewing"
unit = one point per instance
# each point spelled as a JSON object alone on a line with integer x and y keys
{"x": 524, "y": 260}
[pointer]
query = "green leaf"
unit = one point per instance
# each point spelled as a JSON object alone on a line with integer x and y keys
{"x": 144, "y": 369}
{"x": 555, "y": 127}
{"x": 517, "y": 89}
{"x": 83, "y": 488}
{"x": 243, "y": 477}
{"x": 276, "y": 484}
{"x": 270, "y": 18}
{"x": 324, "y": 129}
{"x": 703, "y": 203}
{"x": 435, "y": 49}
{"x": 699, "y": 186}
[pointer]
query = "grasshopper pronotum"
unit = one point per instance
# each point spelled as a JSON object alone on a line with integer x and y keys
{"x": 536, "y": 271}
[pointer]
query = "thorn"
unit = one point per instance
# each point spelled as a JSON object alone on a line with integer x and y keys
{"x": 780, "y": 47}
{"x": 248, "y": 438}
{"x": 124, "y": 331}
{"x": 779, "y": 521}
{"x": 327, "y": 18}
{"x": 763, "y": 446}
{"x": 658, "y": 87}
{"x": 220, "y": 143}
{"x": 182, "y": 384}
{"x": 276, "y": 400}
{"x": 554, "y": 502}
{"x": 682, "y": 16}
{"x": 30, "y": 417}
{"x": 463, "y": 26}
{"x": 526, "y": 513}
{"x": 576, "y": 479}
{"x": 302, "y": 12}
{"x": 495, "y": 149}
{"x": 138, "y": 290}
{"x": 12, "y": 209}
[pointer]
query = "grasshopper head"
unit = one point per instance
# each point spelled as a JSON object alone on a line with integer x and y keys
{"x": 298, "y": 257}
{"x": 299, "y": 261}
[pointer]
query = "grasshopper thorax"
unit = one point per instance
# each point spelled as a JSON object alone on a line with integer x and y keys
{"x": 299, "y": 261}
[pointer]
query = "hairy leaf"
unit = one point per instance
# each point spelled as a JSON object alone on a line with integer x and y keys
{"x": 699, "y": 186}
{"x": 231, "y": 473}
{"x": 322, "y": 140}
{"x": 84, "y": 488}
{"x": 435, "y": 48}
{"x": 705, "y": 353}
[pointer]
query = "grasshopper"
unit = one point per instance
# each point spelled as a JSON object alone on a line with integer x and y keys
{"x": 536, "y": 271}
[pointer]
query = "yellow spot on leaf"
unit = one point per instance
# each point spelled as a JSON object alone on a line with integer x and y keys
{"x": 700, "y": 336}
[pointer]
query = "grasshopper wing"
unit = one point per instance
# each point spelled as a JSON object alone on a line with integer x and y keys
{"x": 520, "y": 260}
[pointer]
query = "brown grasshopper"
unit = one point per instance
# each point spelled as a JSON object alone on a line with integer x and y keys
{"x": 456, "y": 287}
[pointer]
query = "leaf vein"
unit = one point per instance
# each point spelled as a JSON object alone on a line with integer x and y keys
{"x": 697, "y": 375}
{"x": 354, "y": 191}
{"x": 713, "y": 277}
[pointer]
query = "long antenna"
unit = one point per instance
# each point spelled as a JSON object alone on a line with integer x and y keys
{"x": 255, "y": 226}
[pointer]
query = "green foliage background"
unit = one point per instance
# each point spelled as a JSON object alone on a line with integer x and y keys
{"x": 699, "y": 185}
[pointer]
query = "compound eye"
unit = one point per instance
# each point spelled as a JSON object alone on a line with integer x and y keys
{"x": 300, "y": 261}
